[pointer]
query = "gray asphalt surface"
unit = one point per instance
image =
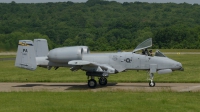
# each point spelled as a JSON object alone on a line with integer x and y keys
{"x": 67, "y": 87}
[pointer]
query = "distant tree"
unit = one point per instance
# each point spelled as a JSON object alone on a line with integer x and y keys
{"x": 116, "y": 25}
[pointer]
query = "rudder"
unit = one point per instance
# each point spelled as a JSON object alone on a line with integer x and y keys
{"x": 26, "y": 55}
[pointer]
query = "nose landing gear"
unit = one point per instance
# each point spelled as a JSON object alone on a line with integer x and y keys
{"x": 151, "y": 83}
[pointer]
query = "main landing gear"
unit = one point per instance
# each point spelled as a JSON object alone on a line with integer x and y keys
{"x": 151, "y": 83}
{"x": 92, "y": 83}
{"x": 102, "y": 81}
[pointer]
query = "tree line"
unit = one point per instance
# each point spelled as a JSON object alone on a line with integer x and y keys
{"x": 101, "y": 25}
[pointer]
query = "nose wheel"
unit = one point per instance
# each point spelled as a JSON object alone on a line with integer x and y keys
{"x": 151, "y": 83}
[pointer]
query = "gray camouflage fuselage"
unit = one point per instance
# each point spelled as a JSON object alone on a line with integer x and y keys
{"x": 120, "y": 61}
{"x": 30, "y": 55}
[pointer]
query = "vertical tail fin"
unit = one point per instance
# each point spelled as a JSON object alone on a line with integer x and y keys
{"x": 26, "y": 55}
{"x": 41, "y": 47}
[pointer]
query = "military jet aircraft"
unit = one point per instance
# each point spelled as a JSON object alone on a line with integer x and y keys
{"x": 32, "y": 54}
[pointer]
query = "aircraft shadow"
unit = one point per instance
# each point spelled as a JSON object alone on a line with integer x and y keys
{"x": 29, "y": 85}
{"x": 77, "y": 86}
{"x": 68, "y": 86}
{"x": 85, "y": 87}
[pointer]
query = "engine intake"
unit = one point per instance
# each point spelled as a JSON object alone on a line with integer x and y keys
{"x": 86, "y": 50}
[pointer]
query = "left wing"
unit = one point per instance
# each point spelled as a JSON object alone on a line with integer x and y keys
{"x": 91, "y": 66}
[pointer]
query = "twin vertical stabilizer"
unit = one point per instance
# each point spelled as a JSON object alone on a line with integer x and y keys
{"x": 26, "y": 55}
{"x": 28, "y": 51}
{"x": 41, "y": 47}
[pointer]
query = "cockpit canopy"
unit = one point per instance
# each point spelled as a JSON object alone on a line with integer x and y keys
{"x": 159, "y": 54}
{"x": 146, "y": 44}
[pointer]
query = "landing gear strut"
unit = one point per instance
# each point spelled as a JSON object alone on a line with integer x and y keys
{"x": 151, "y": 83}
{"x": 102, "y": 81}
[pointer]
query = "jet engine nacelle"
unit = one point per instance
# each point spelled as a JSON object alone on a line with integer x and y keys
{"x": 164, "y": 71}
{"x": 65, "y": 54}
{"x": 86, "y": 50}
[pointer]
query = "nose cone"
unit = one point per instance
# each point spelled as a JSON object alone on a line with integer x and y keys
{"x": 179, "y": 66}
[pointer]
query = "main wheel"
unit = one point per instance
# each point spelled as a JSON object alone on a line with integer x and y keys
{"x": 102, "y": 81}
{"x": 92, "y": 83}
{"x": 152, "y": 83}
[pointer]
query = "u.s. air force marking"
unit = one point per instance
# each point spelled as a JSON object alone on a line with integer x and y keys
{"x": 128, "y": 60}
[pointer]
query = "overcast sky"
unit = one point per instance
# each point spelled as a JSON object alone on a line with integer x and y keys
{"x": 157, "y": 1}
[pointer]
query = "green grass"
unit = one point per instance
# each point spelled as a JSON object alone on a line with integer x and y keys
{"x": 112, "y": 101}
{"x": 10, "y": 73}
{"x": 169, "y": 50}
{"x": 7, "y": 56}
{"x": 105, "y": 101}
{"x": 179, "y": 50}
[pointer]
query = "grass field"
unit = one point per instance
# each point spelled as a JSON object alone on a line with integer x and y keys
{"x": 7, "y": 56}
{"x": 191, "y": 64}
{"x": 105, "y": 101}
{"x": 111, "y": 101}
{"x": 162, "y": 50}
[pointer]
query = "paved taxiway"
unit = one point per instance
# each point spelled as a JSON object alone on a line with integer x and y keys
{"x": 65, "y": 87}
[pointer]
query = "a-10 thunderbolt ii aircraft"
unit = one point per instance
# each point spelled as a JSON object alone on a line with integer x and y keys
{"x": 32, "y": 54}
